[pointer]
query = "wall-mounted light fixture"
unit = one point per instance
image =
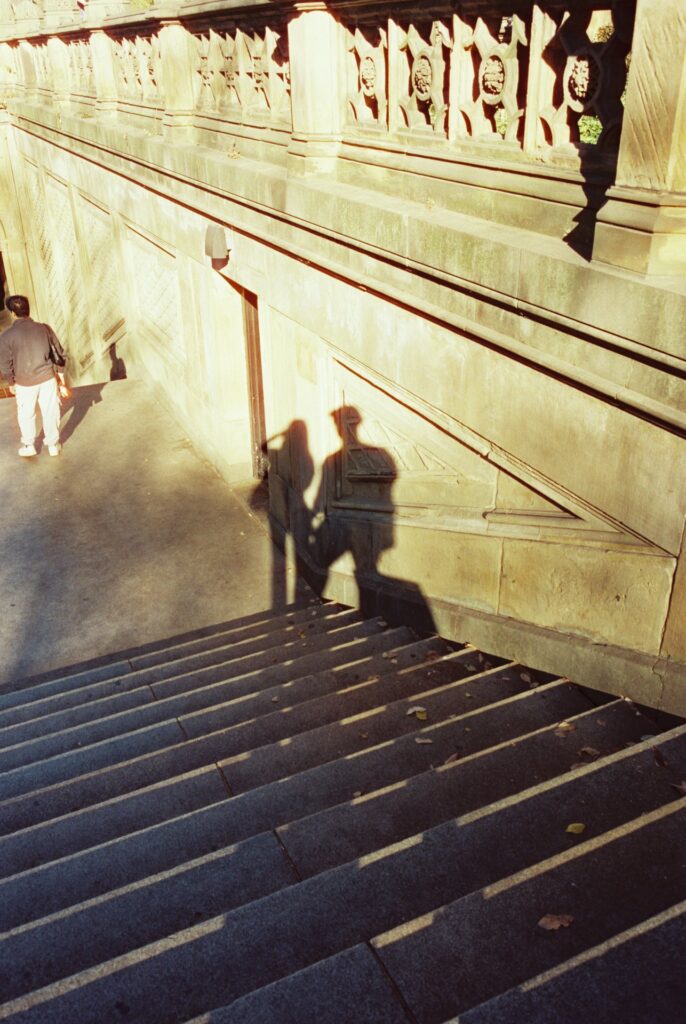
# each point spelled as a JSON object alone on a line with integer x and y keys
{"x": 217, "y": 246}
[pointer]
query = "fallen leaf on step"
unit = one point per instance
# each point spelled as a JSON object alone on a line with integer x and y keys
{"x": 302, "y": 634}
{"x": 421, "y": 739}
{"x": 394, "y": 661}
{"x": 453, "y": 757}
{"x": 601, "y": 721}
{"x": 660, "y": 758}
{"x": 525, "y": 677}
{"x": 551, "y": 922}
{"x": 577, "y": 764}
{"x": 589, "y": 752}
{"x": 431, "y": 655}
{"x": 576, "y": 828}
{"x": 564, "y": 728}
{"x": 680, "y": 787}
{"x": 358, "y": 792}
{"x": 419, "y": 712}
{"x": 364, "y": 735}
{"x": 275, "y": 700}
{"x": 648, "y": 736}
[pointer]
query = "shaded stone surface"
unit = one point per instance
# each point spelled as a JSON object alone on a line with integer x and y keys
{"x": 128, "y": 535}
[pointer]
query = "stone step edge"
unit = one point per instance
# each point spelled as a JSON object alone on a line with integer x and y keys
{"x": 185, "y": 741}
{"x": 526, "y": 875}
{"x": 106, "y": 661}
{"x": 587, "y": 956}
{"x": 469, "y": 818}
{"x": 246, "y": 795}
{"x": 158, "y": 700}
{"x": 378, "y": 942}
{"x": 128, "y": 671}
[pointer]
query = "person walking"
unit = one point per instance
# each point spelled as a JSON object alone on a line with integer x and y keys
{"x": 27, "y": 353}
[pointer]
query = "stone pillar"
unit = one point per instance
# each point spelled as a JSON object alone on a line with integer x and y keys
{"x": 179, "y": 59}
{"x": 643, "y": 225}
{"x": 104, "y": 71}
{"x": 316, "y": 58}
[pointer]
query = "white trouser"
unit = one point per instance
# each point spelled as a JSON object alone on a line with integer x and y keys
{"x": 46, "y": 396}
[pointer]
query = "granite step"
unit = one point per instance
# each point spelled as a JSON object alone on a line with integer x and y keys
{"x": 477, "y": 947}
{"x": 49, "y": 887}
{"x": 435, "y": 903}
{"x": 282, "y": 754}
{"x": 218, "y": 663}
{"x": 62, "y": 681}
{"x": 126, "y": 736}
{"x": 635, "y": 977}
{"x": 69, "y": 737}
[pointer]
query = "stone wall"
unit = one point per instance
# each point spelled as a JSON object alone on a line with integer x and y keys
{"x": 469, "y": 288}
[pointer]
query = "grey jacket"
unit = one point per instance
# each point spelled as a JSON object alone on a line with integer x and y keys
{"x": 25, "y": 352}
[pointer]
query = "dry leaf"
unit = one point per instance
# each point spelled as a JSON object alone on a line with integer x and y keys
{"x": 680, "y": 787}
{"x": 660, "y": 759}
{"x": 453, "y": 757}
{"x": 525, "y": 677}
{"x": 648, "y": 736}
{"x": 364, "y": 735}
{"x": 431, "y": 655}
{"x": 421, "y": 739}
{"x": 419, "y": 712}
{"x": 551, "y": 922}
{"x": 589, "y": 752}
{"x": 577, "y": 764}
{"x": 564, "y": 728}
{"x": 576, "y": 828}
{"x": 394, "y": 661}
{"x": 275, "y": 700}
{"x": 601, "y": 721}
{"x": 358, "y": 792}
{"x": 302, "y": 634}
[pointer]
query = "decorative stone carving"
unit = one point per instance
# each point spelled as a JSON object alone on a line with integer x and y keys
{"x": 248, "y": 73}
{"x": 488, "y": 90}
{"x": 424, "y": 93}
{"x": 81, "y": 68}
{"x": 43, "y": 66}
{"x": 366, "y": 72}
{"x": 138, "y": 69}
{"x": 590, "y": 66}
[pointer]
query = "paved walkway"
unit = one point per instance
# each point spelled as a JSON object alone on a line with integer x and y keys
{"x": 127, "y": 537}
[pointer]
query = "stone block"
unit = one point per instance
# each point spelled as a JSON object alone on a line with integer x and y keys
{"x": 607, "y": 595}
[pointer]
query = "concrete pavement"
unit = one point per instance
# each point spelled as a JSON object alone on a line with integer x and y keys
{"x": 127, "y": 537}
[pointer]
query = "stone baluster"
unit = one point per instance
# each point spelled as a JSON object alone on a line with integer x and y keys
{"x": 59, "y": 62}
{"x": 317, "y": 62}
{"x": 102, "y": 52}
{"x": 178, "y": 59}
{"x": 26, "y": 69}
{"x": 642, "y": 227}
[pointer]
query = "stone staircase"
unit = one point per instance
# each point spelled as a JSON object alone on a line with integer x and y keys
{"x": 311, "y": 817}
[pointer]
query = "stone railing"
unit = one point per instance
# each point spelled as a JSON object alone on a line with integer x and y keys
{"x": 483, "y": 87}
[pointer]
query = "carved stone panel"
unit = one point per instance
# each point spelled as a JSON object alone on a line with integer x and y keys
{"x": 245, "y": 73}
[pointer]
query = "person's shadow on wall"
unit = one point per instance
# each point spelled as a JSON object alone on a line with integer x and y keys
{"x": 353, "y": 513}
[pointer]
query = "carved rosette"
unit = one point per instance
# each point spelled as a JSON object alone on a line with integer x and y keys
{"x": 424, "y": 101}
{"x": 582, "y": 80}
{"x": 366, "y": 73}
{"x": 489, "y": 104}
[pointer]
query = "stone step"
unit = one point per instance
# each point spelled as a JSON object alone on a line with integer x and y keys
{"x": 42, "y": 747}
{"x": 288, "y": 754}
{"x": 198, "y": 669}
{"x": 126, "y": 736}
{"x": 635, "y": 977}
{"x": 380, "y": 817}
{"x": 34, "y": 688}
{"x": 54, "y": 885}
{"x": 124, "y": 918}
{"x": 348, "y": 987}
{"x": 477, "y": 947}
{"x": 439, "y": 875}
{"x": 457, "y": 730}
